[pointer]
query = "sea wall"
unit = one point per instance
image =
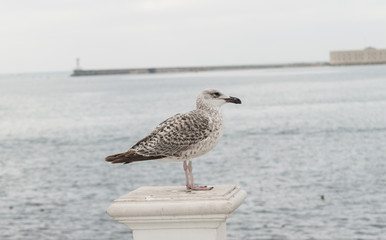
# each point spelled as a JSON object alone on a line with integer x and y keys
{"x": 80, "y": 72}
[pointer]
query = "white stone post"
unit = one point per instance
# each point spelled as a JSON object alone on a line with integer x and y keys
{"x": 172, "y": 213}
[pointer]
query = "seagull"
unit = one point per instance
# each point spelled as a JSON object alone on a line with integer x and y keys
{"x": 183, "y": 136}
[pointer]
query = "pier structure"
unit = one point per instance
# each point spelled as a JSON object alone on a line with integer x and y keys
{"x": 367, "y": 56}
{"x": 173, "y": 213}
{"x": 81, "y": 72}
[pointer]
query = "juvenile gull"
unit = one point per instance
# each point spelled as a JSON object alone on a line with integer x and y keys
{"x": 184, "y": 136}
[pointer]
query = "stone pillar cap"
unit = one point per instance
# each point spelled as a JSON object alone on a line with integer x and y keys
{"x": 176, "y": 201}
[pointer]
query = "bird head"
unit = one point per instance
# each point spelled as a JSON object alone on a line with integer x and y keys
{"x": 215, "y": 98}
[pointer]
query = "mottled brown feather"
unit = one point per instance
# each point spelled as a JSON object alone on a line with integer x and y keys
{"x": 129, "y": 156}
{"x": 175, "y": 135}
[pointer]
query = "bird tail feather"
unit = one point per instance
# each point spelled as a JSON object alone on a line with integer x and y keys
{"x": 129, "y": 156}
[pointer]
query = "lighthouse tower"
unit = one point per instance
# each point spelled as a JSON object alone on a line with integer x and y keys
{"x": 77, "y": 67}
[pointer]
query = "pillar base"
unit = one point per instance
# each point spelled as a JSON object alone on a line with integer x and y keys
{"x": 172, "y": 213}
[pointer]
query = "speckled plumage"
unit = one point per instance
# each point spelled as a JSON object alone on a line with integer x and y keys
{"x": 182, "y": 137}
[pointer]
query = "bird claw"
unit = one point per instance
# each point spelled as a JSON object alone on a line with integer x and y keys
{"x": 198, "y": 188}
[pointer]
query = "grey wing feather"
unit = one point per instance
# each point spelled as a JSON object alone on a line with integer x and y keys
{"x": 175, "y": 135}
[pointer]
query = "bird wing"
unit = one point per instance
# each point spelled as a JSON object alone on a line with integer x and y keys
{"x": 175, "y": 135}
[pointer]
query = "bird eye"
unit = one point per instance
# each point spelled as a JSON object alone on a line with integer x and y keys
{"x": 216, "y": 94}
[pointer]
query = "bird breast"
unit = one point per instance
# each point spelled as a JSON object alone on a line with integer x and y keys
{"x": 210, "y": 142}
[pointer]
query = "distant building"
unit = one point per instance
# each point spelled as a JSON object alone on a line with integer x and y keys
{"x": 369, "y": 55}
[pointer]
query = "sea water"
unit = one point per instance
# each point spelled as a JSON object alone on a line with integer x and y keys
{"x": 308, "y": 145}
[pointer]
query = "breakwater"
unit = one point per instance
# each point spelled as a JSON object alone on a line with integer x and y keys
{"x": 81, "y": 72}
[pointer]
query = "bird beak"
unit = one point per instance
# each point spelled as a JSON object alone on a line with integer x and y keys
{"x": 233, "y": 100}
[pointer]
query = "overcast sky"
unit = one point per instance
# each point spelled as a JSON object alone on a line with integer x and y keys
{"x": 48, "y": 35}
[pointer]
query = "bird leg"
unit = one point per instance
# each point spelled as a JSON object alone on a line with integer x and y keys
{"x": 186, "y": 175}
{"x": 192, "y": 187}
